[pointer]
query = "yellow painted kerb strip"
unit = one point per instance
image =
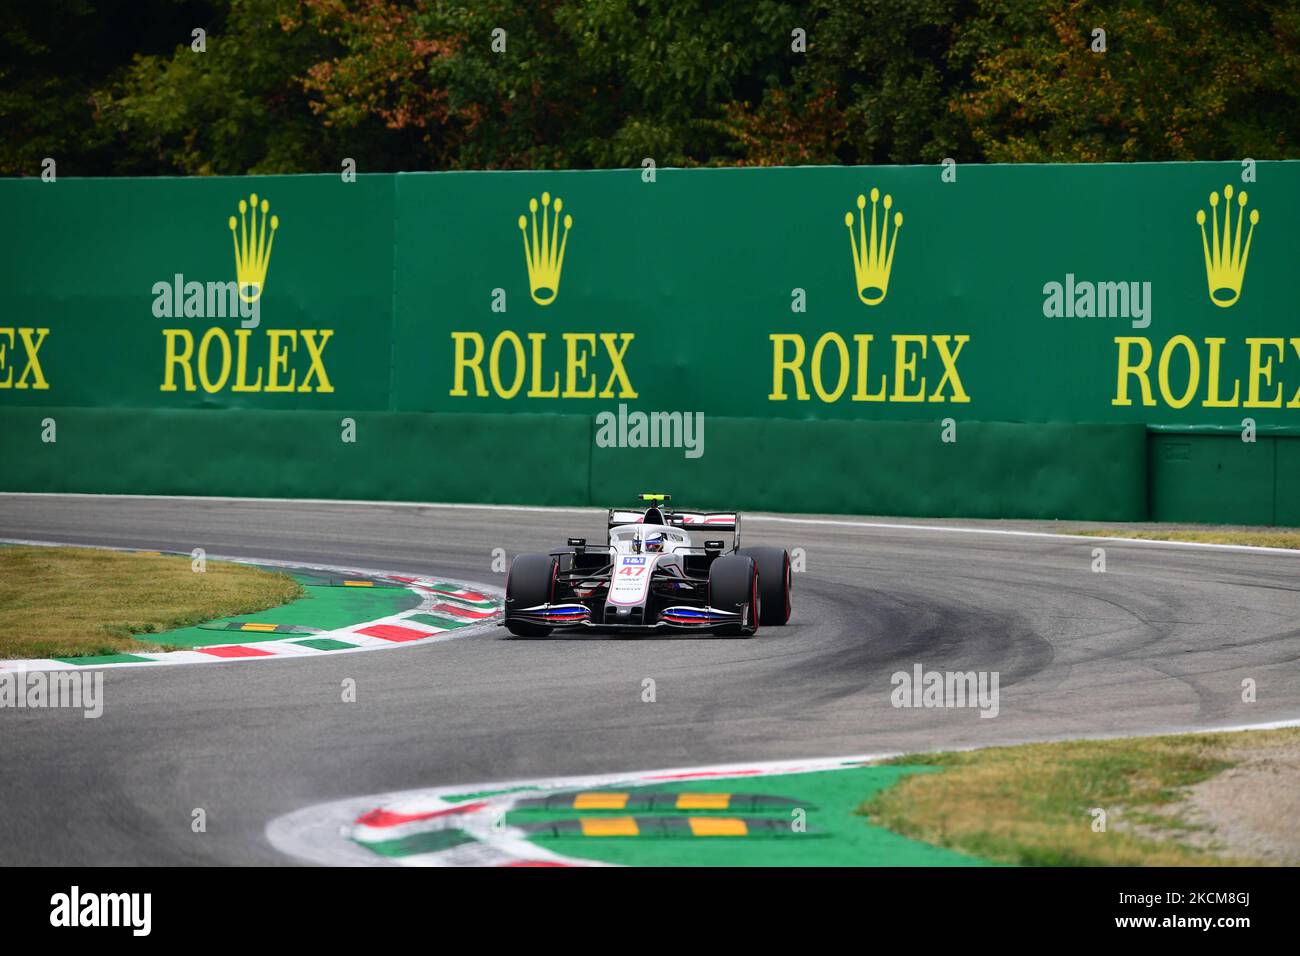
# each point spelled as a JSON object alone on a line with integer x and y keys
{"x": 609, "y": 826}
{"x": 358, "y": 584}
{"x": 257, "y": 627}
{"x": 598, "y": 800}
{"x": 703, "y": 801}
{"x": 718, "y": 826}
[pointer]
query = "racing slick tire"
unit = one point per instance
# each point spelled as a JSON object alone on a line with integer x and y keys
{"x": 734, "y": 582}
{"x": 773, "y": 583}
{"x": 530, "y": 582}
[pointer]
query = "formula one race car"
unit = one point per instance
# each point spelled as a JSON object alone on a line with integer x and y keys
{"x": 651, "y": 576}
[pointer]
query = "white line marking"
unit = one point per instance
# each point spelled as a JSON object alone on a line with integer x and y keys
{"x": 1010, "y": 532}
{"x": 749, "y": 516}
{"x": 301, "y": 501}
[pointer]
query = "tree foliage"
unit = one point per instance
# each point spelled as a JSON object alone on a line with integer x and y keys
{"x": 1179, "y": 80}
{"x": 111, "y": 87}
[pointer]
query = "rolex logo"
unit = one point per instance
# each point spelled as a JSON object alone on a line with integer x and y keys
{"x": 252, "y": 247}
{"x": 544, "y": 253}
{"x": 1225, "y": 259}
{"x": 873, "y": 253}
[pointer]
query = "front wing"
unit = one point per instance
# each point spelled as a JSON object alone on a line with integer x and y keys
{"x": 667, "y": 600}
{"x": 676, "y": 616}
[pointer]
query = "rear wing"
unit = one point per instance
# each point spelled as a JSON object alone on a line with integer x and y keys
{"x": 703, "y": 521}
{"x": 711, "y": 520}
{"x": 715, "y": 520}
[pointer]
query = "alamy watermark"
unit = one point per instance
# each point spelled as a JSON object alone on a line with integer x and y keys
{"x": 651, "y": 430}
{"x": 181, "y": 299}
{"x": 32, "y": 690}
{"x": 936, "y": 689}
{"x": 130, "y": 910}
{"x": 1101, "y": 300}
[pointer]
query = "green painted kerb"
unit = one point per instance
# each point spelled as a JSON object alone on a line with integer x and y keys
{"x": 322, "y": 607}
{"x": 99, "y": 660}
{"x": 838, "y": 835}
{"x": 432, "y": 841}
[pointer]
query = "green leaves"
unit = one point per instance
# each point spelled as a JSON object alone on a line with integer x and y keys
{"x": 1181, "y": 81}
{"x": 295, "y": 85}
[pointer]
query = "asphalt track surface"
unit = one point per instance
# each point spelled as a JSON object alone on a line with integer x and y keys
{"x": 1159, "y": 642}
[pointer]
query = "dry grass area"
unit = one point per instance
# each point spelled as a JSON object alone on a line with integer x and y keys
{"x": 73, "y": 602}
{"x": 1285, "y": 538}
{"x": 1253, "y": 807}
{"x": 1196, "y": 799}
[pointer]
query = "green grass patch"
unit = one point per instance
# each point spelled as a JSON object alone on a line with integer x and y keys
{"x": 1032, "y": 805}
{"x": 78, "y": 602}
{"x": 1259, "y": 539}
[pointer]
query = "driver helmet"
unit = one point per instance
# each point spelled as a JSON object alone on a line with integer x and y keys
{"x": 654, "y": 543}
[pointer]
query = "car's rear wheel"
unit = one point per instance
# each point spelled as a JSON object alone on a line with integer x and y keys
{"x": 774, "y": 582}
{"x": 734, "y": 583}
{"x": 531, "y": 582}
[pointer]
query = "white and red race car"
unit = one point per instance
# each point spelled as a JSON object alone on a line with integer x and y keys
{"x": 652, "y": 575}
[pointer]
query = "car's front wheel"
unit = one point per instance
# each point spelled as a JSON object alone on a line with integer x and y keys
{"x": 733, "y": 584}
{"x": 531, "y": 582}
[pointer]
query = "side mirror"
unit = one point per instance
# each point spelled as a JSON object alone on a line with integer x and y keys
{"x": 578, "y": 544}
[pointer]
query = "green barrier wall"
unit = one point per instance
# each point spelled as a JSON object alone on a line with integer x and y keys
{"x": 901, "y": 468}
{"x": 396, "y": 455}
{"x": 1220, "y": 479}
{"x": 897, "y": 468}
{"x": 476, "y": 324}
